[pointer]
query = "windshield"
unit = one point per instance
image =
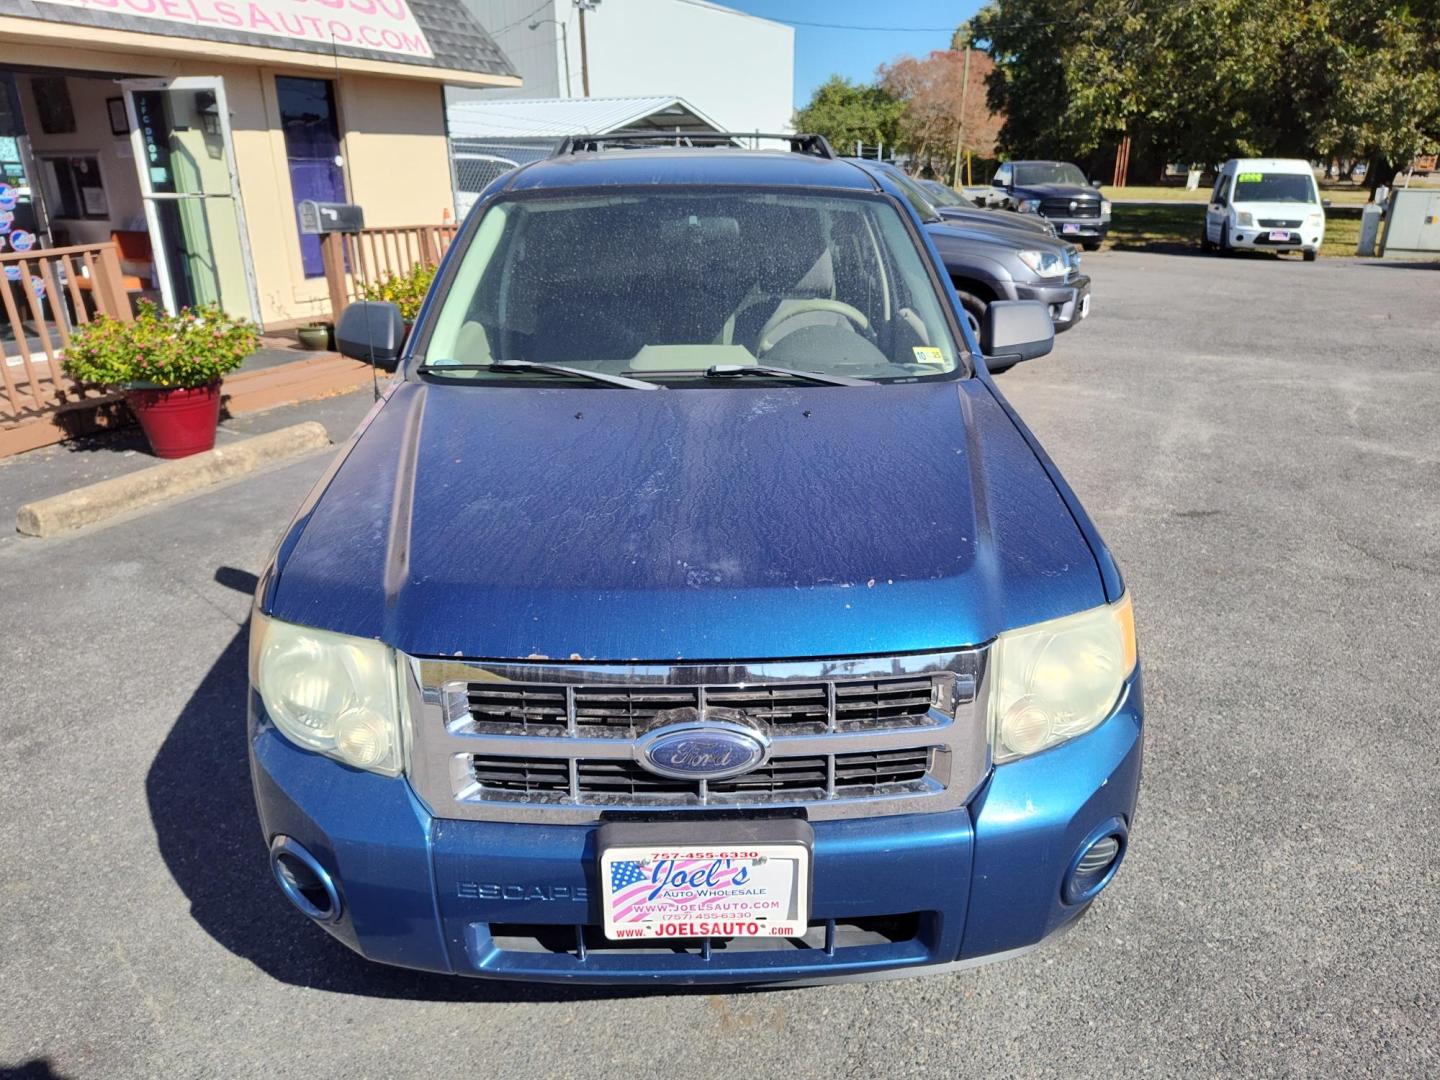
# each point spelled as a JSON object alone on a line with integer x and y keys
{"x": 1049, "y": 172}
{"x": 1274, "y": 187}
{"x": 667, "y": 285}
{"x": 941, "y": 195}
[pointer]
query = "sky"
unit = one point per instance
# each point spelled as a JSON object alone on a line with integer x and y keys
{"x": 824, "y": 51}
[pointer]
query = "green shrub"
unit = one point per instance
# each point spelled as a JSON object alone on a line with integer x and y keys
{"x": 193, "y": 348}
{"x": 407, "y": 290}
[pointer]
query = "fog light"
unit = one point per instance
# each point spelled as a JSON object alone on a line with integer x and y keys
{"x": 302, "y": 879}
{"x": 1098, "y": 859}
{"x": 1095, "y": 862}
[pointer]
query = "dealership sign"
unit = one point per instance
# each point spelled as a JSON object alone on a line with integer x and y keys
{"x": 377, "y": 25}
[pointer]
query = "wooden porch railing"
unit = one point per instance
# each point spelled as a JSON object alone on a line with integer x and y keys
{"x": 46, "y": 294}
{"x": 354, "y": 261}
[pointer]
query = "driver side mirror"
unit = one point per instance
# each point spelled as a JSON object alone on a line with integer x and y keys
{"x": 1096, "y": 184}
{"x": 1015, "y": 330}
{"x": 372, "y": 331}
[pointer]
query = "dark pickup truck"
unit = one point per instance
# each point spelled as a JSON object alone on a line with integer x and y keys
{"x": 1058, "y": 191}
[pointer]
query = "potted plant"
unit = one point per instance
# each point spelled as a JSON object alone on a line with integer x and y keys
{"x": 406, "y": 291}
{"x": 315, "y": 336}
{"x": 169, "y": 367}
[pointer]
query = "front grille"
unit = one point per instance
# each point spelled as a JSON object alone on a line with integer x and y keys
{"x": 1278, "y": 223}
{"x": 806, "y": 778}
{"x": 562, "y": 743}
{"x": 1061, "y": 208}
{"x": 627, "y": 711}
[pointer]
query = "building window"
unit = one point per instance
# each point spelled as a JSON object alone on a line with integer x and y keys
{"x": 52, "y": 104}
{"x": 73, "y": 188}
{"x": 312, "y": 145}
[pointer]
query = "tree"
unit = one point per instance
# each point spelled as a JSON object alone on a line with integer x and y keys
{"x": 941, "y": 116}
{"x": 847, "y": 113}
{"x": 1386, "y": 104}
{"x": 1026, "y": 39}
{"x": 1203, "y": 82}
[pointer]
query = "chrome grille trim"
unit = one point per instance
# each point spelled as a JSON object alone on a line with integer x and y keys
{"x": 1060, "y": 207}
{"x": 445, "y": 739}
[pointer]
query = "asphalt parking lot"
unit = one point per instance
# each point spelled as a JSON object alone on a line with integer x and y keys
{"x": 1258, "y": 442}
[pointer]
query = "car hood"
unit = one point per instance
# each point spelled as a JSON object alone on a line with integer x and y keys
{"x": 1290, "y": 211}
{"x": 1006, "y": 220}
{"x": 1058, "y": 191}
{"x": 1008, "y": 240}
{"x": 745, "y": 522}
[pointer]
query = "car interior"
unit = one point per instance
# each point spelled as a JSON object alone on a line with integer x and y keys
{"x": 675, "y": 283}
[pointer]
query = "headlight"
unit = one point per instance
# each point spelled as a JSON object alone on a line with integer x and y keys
{"x": 1315, "y": 220}
{"x": 1046, "y": 264}
{"x": 1058, "y": 679}
{"x": 1244, "y": 217}
{"x": 1029, "y": 206}
{"x": 330, "y": 693}
{"x": 1105, "y": 206}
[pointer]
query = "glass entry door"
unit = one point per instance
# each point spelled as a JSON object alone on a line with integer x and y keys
{"x": 180, "y": 132}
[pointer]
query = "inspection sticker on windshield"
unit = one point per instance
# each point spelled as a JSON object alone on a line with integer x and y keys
{"x": 927, "y": 354}
{"x": 758, "y": 890}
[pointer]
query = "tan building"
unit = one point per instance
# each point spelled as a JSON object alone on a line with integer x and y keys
{"x": 187, "y": 131}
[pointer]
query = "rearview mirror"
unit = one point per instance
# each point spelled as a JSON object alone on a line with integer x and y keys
{"x": 373, "y": 331}
{"x": 1015, "y": 330}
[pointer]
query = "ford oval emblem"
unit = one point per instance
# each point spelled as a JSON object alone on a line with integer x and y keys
{"x": 702, "y": 751}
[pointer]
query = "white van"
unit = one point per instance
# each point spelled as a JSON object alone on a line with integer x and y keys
{"x": 1269, "y": 204}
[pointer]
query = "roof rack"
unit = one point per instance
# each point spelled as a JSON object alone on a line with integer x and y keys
{"x": 800, "y": 143}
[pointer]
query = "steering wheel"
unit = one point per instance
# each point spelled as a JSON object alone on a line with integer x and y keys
{"x": 804, "y": 306}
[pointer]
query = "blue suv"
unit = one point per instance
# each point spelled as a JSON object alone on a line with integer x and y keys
{"x": 693, "y": 608}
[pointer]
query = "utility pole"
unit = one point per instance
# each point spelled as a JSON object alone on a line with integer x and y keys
{"x": 960, "y": 135}
{"x": 584, "y": 6}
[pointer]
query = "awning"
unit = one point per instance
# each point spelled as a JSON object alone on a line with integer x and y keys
{"x": 436, "y": 40}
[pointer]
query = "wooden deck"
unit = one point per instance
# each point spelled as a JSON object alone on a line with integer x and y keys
{"x": 315, "y": 377}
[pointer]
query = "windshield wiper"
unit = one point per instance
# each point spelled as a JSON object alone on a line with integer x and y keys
{"x": 731, "y": 371}
{"x": 505, "y": 367}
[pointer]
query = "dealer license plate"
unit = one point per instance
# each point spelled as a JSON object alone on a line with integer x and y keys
{"x": 1069, "y": 228}
{"x": 1279, "y": 236}
{"x": 752, "y": 890}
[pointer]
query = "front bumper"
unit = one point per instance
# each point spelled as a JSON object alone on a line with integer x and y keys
{"x": 1069, "y": 303}
{"x": 518, "y": 901}
{"x": 1080, "y": 228}
{"x": 1252, "y": 238}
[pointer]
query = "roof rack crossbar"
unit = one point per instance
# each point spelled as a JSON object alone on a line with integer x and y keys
{"x": 800, "y": 142}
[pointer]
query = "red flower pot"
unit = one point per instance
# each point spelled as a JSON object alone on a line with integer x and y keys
{"x": 178, "y": 421}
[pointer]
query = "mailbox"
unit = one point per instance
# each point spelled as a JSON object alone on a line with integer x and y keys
{"x": 327, "y": 217}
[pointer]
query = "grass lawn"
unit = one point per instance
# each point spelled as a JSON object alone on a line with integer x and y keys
{"x": 1339, "y": 194}
{"x": 1344, "y": 195}
{"x": 1136, "y": 228}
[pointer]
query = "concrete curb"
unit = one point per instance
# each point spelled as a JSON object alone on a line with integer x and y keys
{"x": 168, "y": 480}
